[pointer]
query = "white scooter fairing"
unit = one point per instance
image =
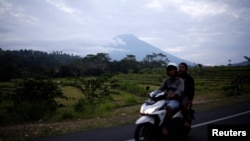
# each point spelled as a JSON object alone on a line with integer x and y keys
{"x": 150, "y": 109}
{"x": 153, "y": 113}
{"x": 155, "y": 108}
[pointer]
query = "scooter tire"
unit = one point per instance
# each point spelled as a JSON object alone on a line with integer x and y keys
{"x": 144, "y": 132}
{"x": 186, "y": 130}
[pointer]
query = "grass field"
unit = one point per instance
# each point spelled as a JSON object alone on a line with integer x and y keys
{"x": 212, "y": 90}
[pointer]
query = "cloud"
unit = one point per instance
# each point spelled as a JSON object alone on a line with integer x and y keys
{"x": 154, "y": 5}
{"x": 192, "y": 30}
{"x": 60, "y": 4}
{"x": 200, "y": 9}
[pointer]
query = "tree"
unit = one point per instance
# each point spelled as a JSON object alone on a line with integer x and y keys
{"x": 199, "y": 66}
{"x": 229, "y": 62}
{"x": 95, "y": 64}
{"x": 247, "y": 58}
{"x": 95, "y": 91}
{"x": 155, "y": 60}
{"x": 32, "y": 99}
{"x": 129, "y": 64}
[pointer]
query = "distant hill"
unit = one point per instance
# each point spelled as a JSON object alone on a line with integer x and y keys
{"x": 244, "y": 63}
{"x": 129, "y": 44}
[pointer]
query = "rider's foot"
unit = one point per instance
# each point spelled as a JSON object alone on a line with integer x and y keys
{"x": 164, "y": 131}
{"x": 186, "y": 124}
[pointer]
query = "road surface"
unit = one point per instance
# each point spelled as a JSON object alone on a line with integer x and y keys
{"x": 238, "y": 114}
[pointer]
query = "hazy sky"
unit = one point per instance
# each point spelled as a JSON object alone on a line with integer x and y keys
{"x": 209, "y": 32}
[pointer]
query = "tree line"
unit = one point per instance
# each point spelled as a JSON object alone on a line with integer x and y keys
{"x": 29, "y": 64}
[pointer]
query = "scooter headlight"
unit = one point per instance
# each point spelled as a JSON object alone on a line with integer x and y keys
{"x": 148, "y": 110}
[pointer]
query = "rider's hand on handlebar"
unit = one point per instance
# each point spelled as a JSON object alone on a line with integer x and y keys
{"x": 171, "y": 96}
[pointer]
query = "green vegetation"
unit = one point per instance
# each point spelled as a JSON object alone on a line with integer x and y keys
{"x": 30, "y": 64}
{"x": 34, "y": 100}
{"x": 115, "y": 101}
{"x": 94, "y": 88}
{"x": 30, "y": 100}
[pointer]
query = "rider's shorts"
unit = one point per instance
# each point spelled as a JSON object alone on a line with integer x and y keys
{"x": 174, "y": 104}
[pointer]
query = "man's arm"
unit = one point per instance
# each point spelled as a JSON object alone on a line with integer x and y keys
{"x": 191, "y": 89}
{"x": 163, "y": 86}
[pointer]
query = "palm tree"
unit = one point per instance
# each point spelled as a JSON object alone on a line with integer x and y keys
{"x": 247, "y": 58}
{"x": 229, "y": 64}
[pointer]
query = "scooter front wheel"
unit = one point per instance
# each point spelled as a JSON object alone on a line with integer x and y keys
{"x": 144, "y": 132}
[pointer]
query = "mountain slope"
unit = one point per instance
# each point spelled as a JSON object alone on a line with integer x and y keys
{"x": 244, "y": 63}
{"x": 129, "y": 44}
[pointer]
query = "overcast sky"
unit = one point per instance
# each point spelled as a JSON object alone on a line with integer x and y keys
{"x": 209, "y": 32}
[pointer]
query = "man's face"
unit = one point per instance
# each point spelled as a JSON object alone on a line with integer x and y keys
{"x": 182, "y": 69}
{"x": 171, "y": 72}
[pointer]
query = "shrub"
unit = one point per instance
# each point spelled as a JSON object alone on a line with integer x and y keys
{"x": 105, "y": 107}
{"x": 95, "y": 91}
{"x": 81, "y": 105}
{"x": 32, "y": 99}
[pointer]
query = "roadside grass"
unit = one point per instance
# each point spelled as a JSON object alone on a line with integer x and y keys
{"x": 216, "y": 103}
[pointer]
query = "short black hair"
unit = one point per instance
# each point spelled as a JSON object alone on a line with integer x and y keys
{"x": 184, "y": 64}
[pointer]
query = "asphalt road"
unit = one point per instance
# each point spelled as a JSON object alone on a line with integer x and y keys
{"x": 238, "y": 114}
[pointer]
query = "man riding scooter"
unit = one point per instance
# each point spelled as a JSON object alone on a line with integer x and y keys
{"x": 173, "y": 87}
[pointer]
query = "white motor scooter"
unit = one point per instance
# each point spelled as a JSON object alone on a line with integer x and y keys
{"x": 153, "y": 112}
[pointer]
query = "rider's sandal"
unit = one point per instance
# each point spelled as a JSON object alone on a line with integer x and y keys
{"x": 186, "y": 124}
{"x": 164, "y": 131}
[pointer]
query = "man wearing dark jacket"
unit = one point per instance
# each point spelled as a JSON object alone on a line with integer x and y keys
{"x": 189, "y": 91}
